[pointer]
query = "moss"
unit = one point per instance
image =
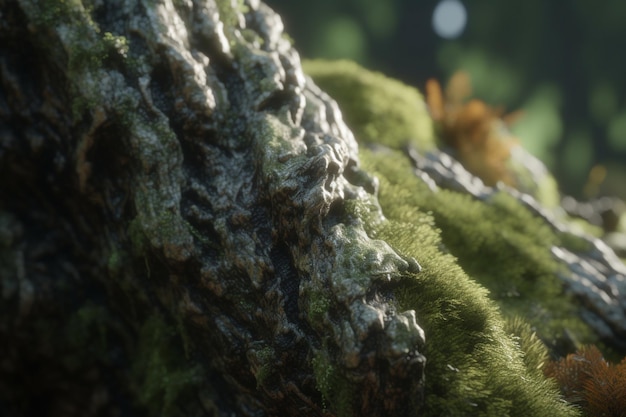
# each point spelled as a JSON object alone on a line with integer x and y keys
{"x": 541, "y": 185}
{"x": 378, "y": 109}
{"x": 318, "y": 307}
{"x": 498, "y": 243}
{"x": 229, "y": 10}
{"x": 474, "y": 366}
{"x": 264, "y": 359}
{"x": 535, "y": 352}
{"x": 116, "y": 43}
{"x": 335, "y": 388}
{"x": 574, "y": 243}
{"x": 159, "y": 371}
{"x": 256, "y": 67}
{"x": 85, "y": 47}
{"x": 277, "y": 157}
{"x": 548, "y": 192}
{"x": 51, "y": 12}
{"x": 165, "y": 230}
{"x": 482, "y": 262}
{"x": 82, "y": 45}
{"x": 323, "y": 370}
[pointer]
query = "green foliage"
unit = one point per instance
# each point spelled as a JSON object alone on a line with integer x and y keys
{"x": 377, "y": 109}
{"x": 159, "y": 369}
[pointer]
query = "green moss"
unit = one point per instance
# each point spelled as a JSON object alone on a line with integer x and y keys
{"x": 336, "y": 389}
{"x": 574, "y": 243}
{"x": 547, "y": 193}
{"x": 51, "y": 12}
{"x": 323, "y": 370}
{"x": 277, "y": 156}
{"x": 264, "y": 360}
{"x": 532, "y": 178}
{"x": 378, "y": 109}
{"x": 159, "y": 370}
{"x": 474, "y": 366}
{"x": 498, "y": 243}
{"x": 228, "y": 11}
{"x": 318, "y": 307}
{"x": 84, "y": 46}
{"x": 164, "y": 230}
{"x": 484, "y": 265}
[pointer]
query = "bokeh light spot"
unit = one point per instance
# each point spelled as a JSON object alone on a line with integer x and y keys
{"x": 449, "y": 19}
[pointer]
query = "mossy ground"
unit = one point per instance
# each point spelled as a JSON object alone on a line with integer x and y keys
{"x": 487, "y": 268}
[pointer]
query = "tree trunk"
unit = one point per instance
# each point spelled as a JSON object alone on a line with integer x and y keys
{"x": 174, "y": 236}
{"x": 185, "y": 230}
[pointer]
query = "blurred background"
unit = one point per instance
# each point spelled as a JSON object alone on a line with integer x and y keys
{"x": 563, "y": 63}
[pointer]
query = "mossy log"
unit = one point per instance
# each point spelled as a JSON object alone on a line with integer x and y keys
{"x": 186, "y": 230}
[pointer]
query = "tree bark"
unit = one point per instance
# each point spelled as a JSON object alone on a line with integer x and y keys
{"x": 174, "y": 235}
{"x": 183, "y": 232}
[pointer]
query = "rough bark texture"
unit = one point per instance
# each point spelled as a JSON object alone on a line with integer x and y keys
{"x": 174, "y": 235}
{"x": 184, "y": 231}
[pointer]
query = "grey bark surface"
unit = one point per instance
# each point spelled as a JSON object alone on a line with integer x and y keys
{"x": 173, "y": 235}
